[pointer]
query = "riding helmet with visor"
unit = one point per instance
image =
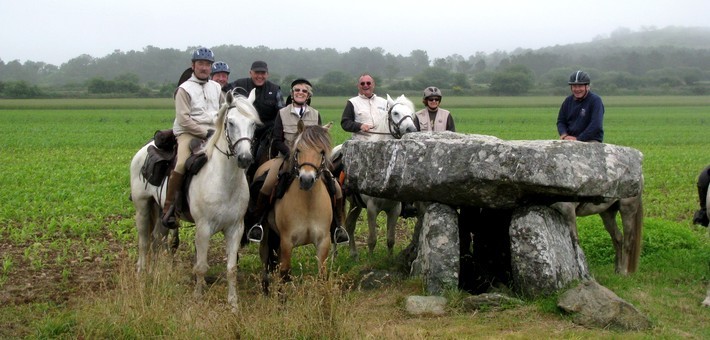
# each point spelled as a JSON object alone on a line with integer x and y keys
{"x": 579, "y": 78}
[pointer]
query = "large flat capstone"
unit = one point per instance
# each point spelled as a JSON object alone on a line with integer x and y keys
{"x": 485, "y": 171}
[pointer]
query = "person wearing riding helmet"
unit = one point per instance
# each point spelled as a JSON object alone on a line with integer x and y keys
{"x": 197, "y": 101}
{"x": 283, "y": 136}
{"x": 220, "y": 73}
{"x": 581, "y": 115}
{"x": 433, "y": 118}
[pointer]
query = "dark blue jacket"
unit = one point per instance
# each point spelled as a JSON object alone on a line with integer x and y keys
{"x": 582, "y": 119}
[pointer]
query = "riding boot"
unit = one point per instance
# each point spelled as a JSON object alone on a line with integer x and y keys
{"x": 256, "y": 232}
{"x": 174, "y": 186}
{"x": 340, "y": 235}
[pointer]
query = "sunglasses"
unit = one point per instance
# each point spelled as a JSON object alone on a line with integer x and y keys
{"x": 300, "y": 90}
{"x": 434, "y": 99}
{"x": 363, "y": 83}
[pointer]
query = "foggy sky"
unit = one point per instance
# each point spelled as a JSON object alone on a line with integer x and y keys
{"x": 56, "y": 31}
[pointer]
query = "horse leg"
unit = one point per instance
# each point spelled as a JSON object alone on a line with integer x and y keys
{"x": 174, "y": 240}
{"x": 617, "y": 238}
{"x": 232, "y": 237}
{"x": 285, "y": 259}
{"x": 567, "y": 209}
{"x": 372, "y": 228}
{"x": 269, "y": 253}
{"x": 706, "y": 302}
{"x": 392, "y": 216}
{"x": 145, "y": 235}
{"x": 631, "y": 210}
{"x": 322, "y": 249}
{"x": 202, "y": 242}
{"x": 350, "y": 222}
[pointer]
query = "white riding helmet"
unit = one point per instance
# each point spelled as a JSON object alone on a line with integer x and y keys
{"x": 432, "y": 91}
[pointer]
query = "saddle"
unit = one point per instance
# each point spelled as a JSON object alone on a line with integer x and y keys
{"x": 160, "y": 161}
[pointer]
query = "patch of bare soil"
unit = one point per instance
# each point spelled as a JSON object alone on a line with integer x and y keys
{"x": 41, "y": 278}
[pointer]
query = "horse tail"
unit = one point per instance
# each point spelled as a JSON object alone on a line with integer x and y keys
{"x": 635, "y": 251}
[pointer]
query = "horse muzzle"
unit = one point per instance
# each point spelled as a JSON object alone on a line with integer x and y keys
{"x": 306, "y": 180}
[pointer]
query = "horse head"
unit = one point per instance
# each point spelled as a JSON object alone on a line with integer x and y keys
{"x": 310, "y": 155}
{"x": 236, "y": 122}
{"x": 400, "y": 116}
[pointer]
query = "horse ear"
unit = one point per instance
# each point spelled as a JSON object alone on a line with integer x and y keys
{"x": 390, "y": 102}
{"x": 301, "y": 126}
{"x": 252, "y": 96}
{"x": 328, "y": 126}
{"x": 230, "y": 97}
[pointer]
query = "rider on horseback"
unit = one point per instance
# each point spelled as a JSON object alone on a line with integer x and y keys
{"x": 284, "y": 134}
{"x": 268, "y": 102}
{"x": 197, "y": 101}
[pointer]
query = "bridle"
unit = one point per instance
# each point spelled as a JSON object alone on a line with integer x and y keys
{"x": 231, "y": 144}
{"x": 297, "y": 166}
{"x": 394, "y": 126}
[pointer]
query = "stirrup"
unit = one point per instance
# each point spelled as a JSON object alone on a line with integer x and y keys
{"x": 255, "y": 233}
{"x": 340, "y": 235}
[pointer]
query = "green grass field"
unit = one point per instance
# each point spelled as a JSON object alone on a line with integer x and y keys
{"x": 64, "y": 207}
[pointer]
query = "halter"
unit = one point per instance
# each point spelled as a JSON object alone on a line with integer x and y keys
{"x": 231, "y": 145}
{"x": 297, "y": 167}
{"x": 394, "y": 126}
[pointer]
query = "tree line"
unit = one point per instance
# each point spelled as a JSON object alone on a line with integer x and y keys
{"x": 670, "y": 61}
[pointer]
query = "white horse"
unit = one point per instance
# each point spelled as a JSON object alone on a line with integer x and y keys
{"x": 400, "y": 120}
{"x": 218, "y": 194}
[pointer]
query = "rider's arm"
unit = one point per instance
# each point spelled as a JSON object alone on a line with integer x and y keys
{"x": 347, "y": 121}
{"x": 277, "y": 136}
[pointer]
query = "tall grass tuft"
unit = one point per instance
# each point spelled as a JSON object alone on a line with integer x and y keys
{"x": 160, "y": 304}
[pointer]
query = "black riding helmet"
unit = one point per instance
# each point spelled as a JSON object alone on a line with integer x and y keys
{"x": 289, "y": 100}
{"x": 579, "y": 77}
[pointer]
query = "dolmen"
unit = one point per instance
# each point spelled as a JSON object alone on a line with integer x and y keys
{"x": 498, "y": 195}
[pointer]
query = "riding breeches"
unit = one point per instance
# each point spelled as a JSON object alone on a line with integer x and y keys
{"x": 183, "y": 151}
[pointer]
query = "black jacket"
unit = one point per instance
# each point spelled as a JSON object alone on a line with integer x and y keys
{"x": 268, "y": 100}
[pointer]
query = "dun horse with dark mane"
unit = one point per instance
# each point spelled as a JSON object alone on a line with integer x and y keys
{"x": 302, "y": 211}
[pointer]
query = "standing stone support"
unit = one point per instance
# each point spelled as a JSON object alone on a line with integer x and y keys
{"x": 437, "y": 259}
{"x": 545, "y": 256}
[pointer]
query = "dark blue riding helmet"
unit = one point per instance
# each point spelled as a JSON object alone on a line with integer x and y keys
{"x": 203, "y": 53}
{"x": 220, "y": 66}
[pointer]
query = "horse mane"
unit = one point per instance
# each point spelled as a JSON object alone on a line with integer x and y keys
{"x": 405, "y": 101}
{"x": 243, "y": 106}
{"x": 314, "y": 137}
{"x": 219, "y": 130}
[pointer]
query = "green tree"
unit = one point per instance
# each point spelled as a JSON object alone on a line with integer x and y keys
{"x": 21, "y": 89}
{"x": 433, "y": 76}
{"x": 514, "y": 80}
